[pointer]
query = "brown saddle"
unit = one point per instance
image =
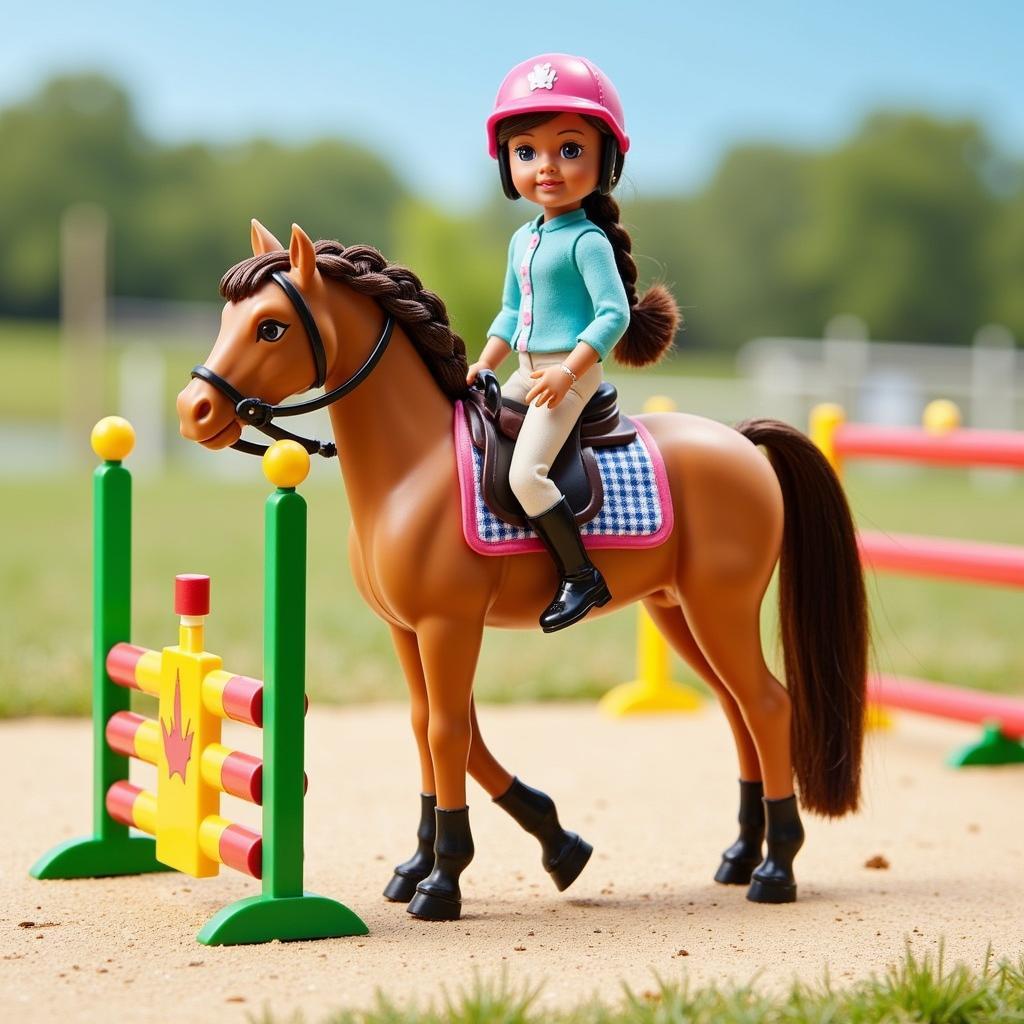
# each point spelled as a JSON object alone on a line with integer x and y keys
{"x": 574, "y": 471}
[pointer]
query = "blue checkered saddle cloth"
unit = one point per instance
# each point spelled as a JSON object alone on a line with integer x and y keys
{"x": 636, "y": 510}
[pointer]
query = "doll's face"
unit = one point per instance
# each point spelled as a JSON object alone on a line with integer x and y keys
{"x": 556, "y": 164}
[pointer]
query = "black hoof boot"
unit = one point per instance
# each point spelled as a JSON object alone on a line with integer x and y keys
{"x": 739, "y": 861}
{"x": 581, "y": 586}
{"x": 408, "y": 875}
{"x": 773, "y": 881}
{"x": 438, "y": 897}
{"x": 564, "y": 854}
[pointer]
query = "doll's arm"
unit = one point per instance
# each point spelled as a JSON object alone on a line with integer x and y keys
{"x": 595, "y": 261}
{"x": 504, "y": 324}
{"x": 491, "y": 358}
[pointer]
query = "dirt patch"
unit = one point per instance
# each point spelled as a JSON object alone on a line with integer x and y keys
{"x": 935, "y": 853}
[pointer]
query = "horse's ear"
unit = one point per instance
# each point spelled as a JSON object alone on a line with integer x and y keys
{"x": 302, "y": 256}
{"x": 262, "y": 240}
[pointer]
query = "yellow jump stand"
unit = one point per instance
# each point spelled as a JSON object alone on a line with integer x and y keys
{"x": 653, "y": 690}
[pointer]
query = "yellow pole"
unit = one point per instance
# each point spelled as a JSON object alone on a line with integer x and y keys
{"x": 653, "y": 689}
{"x": 826, "y": 419}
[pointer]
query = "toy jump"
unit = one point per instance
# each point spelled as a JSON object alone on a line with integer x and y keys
{"x": 941, "y": 442}
{"x": 182, "y": 821}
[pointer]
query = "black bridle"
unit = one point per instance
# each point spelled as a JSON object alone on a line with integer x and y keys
{"x": 254, "y": 412}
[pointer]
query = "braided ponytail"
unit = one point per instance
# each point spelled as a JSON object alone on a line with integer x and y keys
{"x": 653, "y": 319}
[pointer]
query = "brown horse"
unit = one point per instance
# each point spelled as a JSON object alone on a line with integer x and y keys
{"x": 392, "y": 418}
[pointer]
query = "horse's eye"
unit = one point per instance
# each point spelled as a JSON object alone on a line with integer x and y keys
{"x": 271, "y": 330}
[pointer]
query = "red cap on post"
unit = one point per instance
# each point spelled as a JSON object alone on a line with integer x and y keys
{"x": 191, "y": 594}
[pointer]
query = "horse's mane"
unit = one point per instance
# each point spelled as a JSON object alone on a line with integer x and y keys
{"x": 396, "y": 289}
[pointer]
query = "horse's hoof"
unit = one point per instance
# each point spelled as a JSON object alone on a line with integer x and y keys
{"x": 429, "y": 906}
{"x": 735, "y": 872}
{"x": 568, "y": 868}
{"x": 402, "y": 888}
{"x": 771, "y": 892}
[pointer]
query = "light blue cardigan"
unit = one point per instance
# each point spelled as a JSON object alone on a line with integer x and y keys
{"x": 561, "y": 287}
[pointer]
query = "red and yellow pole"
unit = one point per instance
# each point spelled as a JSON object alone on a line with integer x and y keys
{"x": 187, "y": 728}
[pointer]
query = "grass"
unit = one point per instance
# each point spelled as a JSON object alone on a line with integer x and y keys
{"x": 953, "y": 632}
{"x": 182, "y": 526}
{"x": 921, "y": 990}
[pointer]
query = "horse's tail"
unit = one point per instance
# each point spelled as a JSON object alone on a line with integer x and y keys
{"x": 823, "y": 620}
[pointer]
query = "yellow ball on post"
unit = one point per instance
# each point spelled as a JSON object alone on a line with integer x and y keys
{"x": 286, "y": 464}
{"x": 941, "y": 416}
{"x": 113, "y": 438}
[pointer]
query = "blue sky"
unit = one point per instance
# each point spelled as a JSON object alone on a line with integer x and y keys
{"x": 415, "y": 80}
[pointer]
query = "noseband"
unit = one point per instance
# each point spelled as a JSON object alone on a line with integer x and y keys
{"x": 254, "y": 412}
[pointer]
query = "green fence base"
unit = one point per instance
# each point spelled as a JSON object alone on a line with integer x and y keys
{"x": 265, "y": 918}
{"x": 92, "y": 857}
{"x": 994, "y": 747}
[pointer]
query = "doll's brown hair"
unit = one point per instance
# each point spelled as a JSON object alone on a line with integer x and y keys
{"x": 653, "y": 318}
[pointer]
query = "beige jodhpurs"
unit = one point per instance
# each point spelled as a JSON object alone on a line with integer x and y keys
{"x": 544, "y": 430}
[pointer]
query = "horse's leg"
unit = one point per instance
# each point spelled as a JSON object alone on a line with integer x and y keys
{"x": 740, "y": 859}
{"x": 564, "y": 854}
{"x": 410, "y": 873}
{"x": 449, "y": 649}
{"x": 722, "y": 605}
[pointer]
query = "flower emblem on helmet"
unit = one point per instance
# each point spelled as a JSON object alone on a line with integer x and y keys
{"x": 543, "y": 76}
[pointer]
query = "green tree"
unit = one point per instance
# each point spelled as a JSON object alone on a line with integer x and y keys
{"x": 1004, "y": 258}
{"x": 906, "y": 224}
{"x": 179, "y": 215}
{"x": 460, "y": 258}
{"x": 733, "y": 247}
{"x": 897, "y": 227}
{"x": 74, "y": 141}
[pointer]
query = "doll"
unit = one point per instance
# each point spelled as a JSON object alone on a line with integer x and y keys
{"x": 557, "y": 131}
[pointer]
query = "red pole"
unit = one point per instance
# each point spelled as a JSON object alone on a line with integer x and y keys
{"x": 1000, "y": 564}
{"x": 949, "y": 702}
{"x": 962, "y": 447}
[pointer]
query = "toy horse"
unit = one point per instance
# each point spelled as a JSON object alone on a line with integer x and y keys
{"x": 343, "y": 318}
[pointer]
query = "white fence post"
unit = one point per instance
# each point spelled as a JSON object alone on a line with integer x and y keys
{"x": 142, "y": 391}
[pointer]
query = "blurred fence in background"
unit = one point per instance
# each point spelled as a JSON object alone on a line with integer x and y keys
{"x": 151, "y": 345}
{"x": 887, "y": 382}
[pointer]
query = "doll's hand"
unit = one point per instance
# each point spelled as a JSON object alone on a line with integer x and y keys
{"x": 472, "y": 372}
{"x": 552, "y": 386}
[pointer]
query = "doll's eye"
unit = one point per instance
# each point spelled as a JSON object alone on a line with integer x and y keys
{"x": 525, "y": 153}
{"x": 571, "y": 150}
{"x": 271, "y": 330}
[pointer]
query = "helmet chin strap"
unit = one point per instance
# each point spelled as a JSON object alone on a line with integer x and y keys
{"x": 254, "y": 412}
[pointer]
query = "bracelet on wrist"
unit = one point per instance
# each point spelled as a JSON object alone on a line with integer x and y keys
{"x": 565, "y": 369}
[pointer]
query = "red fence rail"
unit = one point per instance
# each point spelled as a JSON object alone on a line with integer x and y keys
{"x": 942, "y": 443}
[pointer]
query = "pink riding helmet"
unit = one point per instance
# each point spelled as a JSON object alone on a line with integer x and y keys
{"x": 558, "y": 82}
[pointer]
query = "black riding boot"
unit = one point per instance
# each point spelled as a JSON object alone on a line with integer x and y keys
{"x": 582, "y": 587}
{"x": 438, "y": 897}
{"x": 402, "y": 886}
{"x": 773, "y": 881}
{"x": 739, "y": 861}
{"x": 564, "y": 854}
